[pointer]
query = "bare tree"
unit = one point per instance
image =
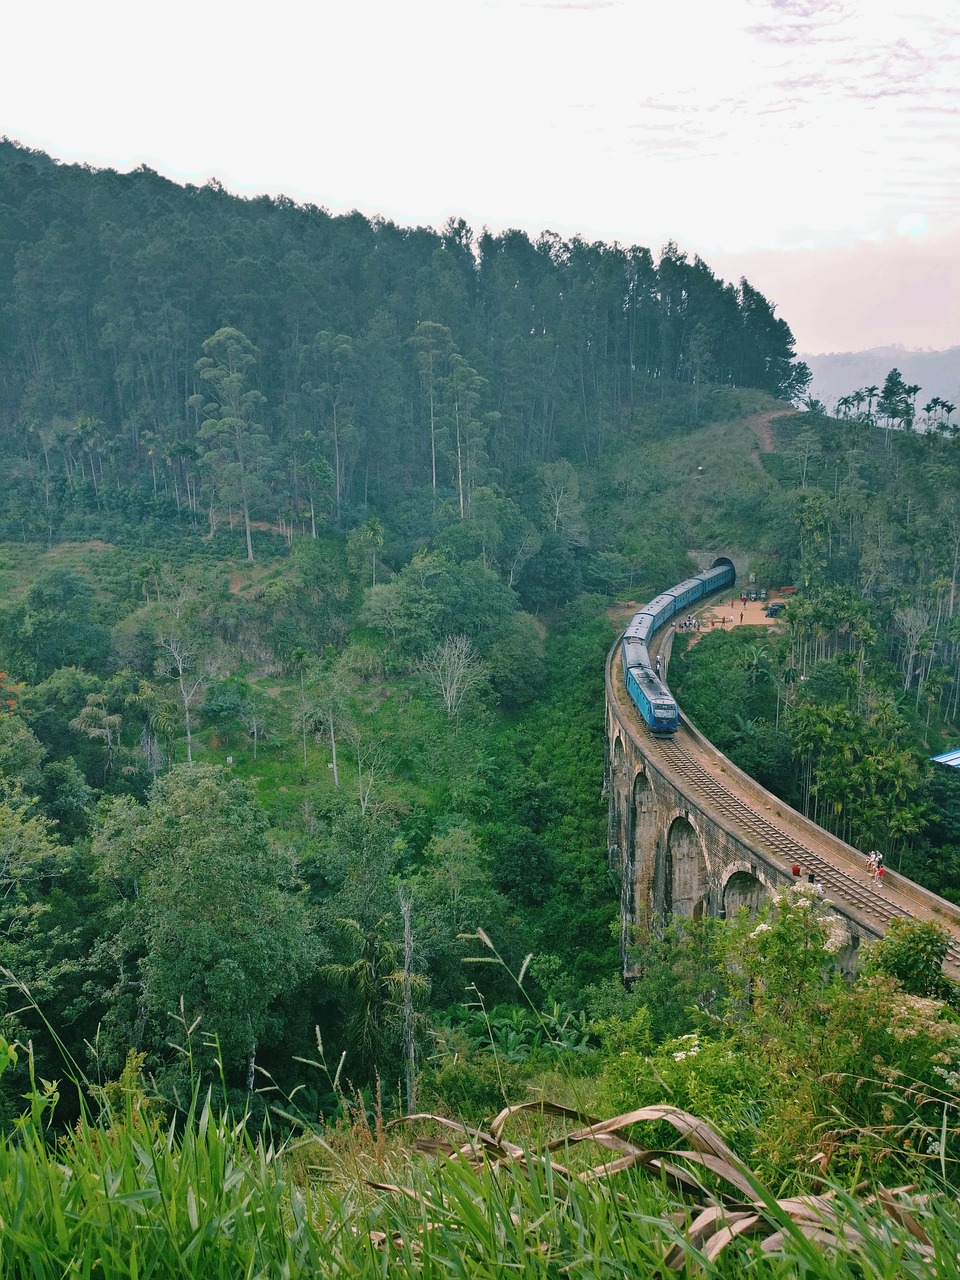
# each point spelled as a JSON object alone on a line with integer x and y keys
{"x": 528, "y": 546}
{"x": 256, "y": 715}
{"x": 561, "y": 494}
{"x": 454, "y": 670}
{"x": 371, "y": 766}
{"x": 183, "y": 662}
{"x": 913, "y": 623}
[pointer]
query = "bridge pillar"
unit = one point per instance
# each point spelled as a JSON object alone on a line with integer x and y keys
{"x": 684, "y": 888}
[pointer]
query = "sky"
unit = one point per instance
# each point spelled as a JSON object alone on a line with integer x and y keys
{"x": 811, "y": 145}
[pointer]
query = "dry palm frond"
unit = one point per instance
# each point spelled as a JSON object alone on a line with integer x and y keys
{"x": 744, "y": 1209}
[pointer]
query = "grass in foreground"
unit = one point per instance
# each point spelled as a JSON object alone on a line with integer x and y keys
{"x": 132, "y": 1196}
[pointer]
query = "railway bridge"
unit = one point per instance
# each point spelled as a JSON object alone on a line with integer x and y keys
{"x": 691, "y": 834}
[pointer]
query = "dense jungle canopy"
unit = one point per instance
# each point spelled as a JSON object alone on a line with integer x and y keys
{"x": 314, "y": 535}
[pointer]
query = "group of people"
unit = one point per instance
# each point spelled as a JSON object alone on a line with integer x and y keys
{"x": 690, "y": 623}
{"x": 875, "y": 866}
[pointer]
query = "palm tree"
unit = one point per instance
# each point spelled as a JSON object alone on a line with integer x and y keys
{"x": 304, "y": 713}
{"x": 947, "y": 409}
{"x": 161, "y": 718}
{"x": 755, "y": 660}
{"x": 104, "y": 726}
{"x": 931, "y": 407}
{"x": 372, "y": 985}
{"x": 372, "y": 534}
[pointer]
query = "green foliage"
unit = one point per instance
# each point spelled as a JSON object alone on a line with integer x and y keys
{"x": 422, "y": 436}
{"x": 713, "y": 1074}
{"x": 361, "y": 363}
{"x": 211, "y": 916}
{"x": 21, "y": 757}
{"x": 796, "y": 1065}
{"x": 679, "y": 978}
{"x": 913, "y": 952}
{"x": 54, "y": 626}
{"x": 371, "y": 985}
{"x": 544, "y": 818}
{"x": 453, "y": 897}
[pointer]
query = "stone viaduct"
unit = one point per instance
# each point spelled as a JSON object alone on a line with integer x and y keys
{"x": 691, "y": 835}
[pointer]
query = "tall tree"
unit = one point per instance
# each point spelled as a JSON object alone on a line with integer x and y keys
{"x": 236, "y": 440}
{"x": 433, "y": 346}
{"x": 333, "y": 390}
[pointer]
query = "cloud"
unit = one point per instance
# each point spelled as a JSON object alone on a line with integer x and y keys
{"x": 808, "y": 12}
{"x": 803, "y": 22}
{"x": 661, "y": 104}
{"x": 809, "y": 8}
{"x": 571, "y": 4}
{"x": 796, "y": 33}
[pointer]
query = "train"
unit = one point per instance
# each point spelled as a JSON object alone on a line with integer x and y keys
{"x": 652, "y": 698}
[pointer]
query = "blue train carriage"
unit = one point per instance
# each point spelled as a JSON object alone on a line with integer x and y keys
{"x": 660, "y": 610}
{"x": 634, "y": 645}
{"x": 721, "y": 575}
{"x": 653, "y": 700}
{"x": 652, "y": 697}
{"x": 687, "y": 592}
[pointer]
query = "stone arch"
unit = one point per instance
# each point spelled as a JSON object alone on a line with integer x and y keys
{"x": 642, "y": 833}
{"x": 637, "y": 835}
{"x": 684, "y": 878}
{"x": 618, "y": 819}
{"x": 721, "y": 561}
{"x": 847, "y": 953}
{"x": 743, "y": 888}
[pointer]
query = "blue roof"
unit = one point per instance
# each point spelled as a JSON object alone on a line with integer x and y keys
{"x": 951, "y": 758}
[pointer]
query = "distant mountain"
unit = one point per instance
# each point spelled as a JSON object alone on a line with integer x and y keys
{"x": 838, "y": 373}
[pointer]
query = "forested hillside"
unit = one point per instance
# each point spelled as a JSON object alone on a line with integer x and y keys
{"x": 363, "y": 365}
{"x": 314, "y": 534}
{"x": 286, "y": 495}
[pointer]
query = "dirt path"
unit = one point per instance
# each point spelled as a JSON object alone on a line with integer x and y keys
{"x": 761, "y": 424}
{"x": 763, "y": 429}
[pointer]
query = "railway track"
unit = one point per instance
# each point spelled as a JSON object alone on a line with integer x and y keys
{"x": 680, "y": 756}
{"x": 701, "y": 774}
